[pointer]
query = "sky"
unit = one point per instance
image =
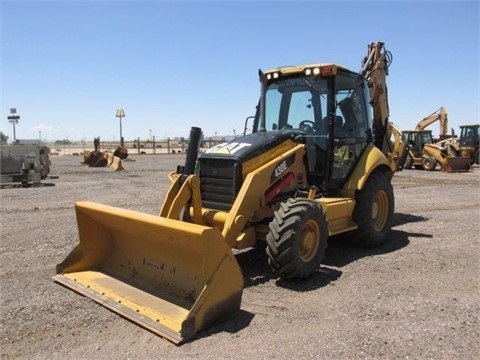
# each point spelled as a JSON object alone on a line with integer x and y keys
{"x": 67, "y": 66}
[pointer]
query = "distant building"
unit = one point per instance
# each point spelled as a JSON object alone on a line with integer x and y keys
{"x": 27, "y": 142}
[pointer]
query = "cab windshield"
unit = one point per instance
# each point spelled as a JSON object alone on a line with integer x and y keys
{"x": 294, "y": 102}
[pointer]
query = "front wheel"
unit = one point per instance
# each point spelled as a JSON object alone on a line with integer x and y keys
{"x": 429, "y": 163}
{"x": 297, "y": 239}
{"x": 373, "y": 212}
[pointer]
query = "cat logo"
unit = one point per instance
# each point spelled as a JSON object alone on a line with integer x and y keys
{"x": 227, "y": 148}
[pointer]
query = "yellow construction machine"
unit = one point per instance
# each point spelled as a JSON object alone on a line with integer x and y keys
{"x": 434, "y": 154}
{"x": 441, "y": 115}
{"x": 467, "y": 145}
{"x": 424, "y": 154}
{"x": 316, "y": 164}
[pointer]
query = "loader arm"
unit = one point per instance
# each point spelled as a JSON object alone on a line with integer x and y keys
{"x": 400, "y": 148}
{"x": 251, "y": 198}
{"x": 447, "y": 163}
{"x": 182, "y": 195}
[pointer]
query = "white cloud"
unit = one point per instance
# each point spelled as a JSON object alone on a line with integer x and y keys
{"x": 43, "y": 128}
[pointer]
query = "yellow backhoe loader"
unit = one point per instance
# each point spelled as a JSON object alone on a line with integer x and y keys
{"x": 316, "y": 164}
{"x": 424, "y": 154}
{"x": 467, "y": 145}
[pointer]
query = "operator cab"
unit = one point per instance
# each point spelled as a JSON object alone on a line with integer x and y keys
{"x": 417, "y": 140}
{"x": 328, "y": 105}
{"x": 469, "y": 135}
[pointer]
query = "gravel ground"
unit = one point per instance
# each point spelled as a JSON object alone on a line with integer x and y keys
{"x": 416, "y": 297}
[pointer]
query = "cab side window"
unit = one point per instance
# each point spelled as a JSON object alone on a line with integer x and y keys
{"x": 351, "y": 124}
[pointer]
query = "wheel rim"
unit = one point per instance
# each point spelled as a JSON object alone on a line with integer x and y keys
{"x": 380, "y": 210}
{"x": 309, "y": 241}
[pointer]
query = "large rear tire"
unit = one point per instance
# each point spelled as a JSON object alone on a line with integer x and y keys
{"x": 373, "y": 212}
{"x": 297, "y": 239}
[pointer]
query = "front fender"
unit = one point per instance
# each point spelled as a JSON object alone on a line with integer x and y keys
{"x": 371, "y": 159}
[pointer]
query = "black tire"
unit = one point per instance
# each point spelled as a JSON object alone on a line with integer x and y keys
{"x": 477, "y": 157}
{"x": 408, "y": 162}
{"x": 373, "y": 212}
{"x": 297, "y": 239}
{"x": 429, "y": 163}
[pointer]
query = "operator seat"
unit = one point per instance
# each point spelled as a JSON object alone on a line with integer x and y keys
{"x": 339, "y": 127}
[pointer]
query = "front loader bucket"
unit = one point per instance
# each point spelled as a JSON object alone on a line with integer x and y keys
{"x": 455, "y": 164}
{"x": 171, "y": 277}
{"x": 114, "y": 161}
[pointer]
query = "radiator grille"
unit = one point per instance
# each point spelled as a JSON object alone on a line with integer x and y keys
{"x": 220, "y": 182}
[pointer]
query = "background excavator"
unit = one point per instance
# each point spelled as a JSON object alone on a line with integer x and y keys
{"x": 441, "y": 115}
{"x": 426, "y": 153}
{"x": 315, "y": 165}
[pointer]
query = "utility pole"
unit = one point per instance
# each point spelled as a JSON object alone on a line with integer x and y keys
{"x": 13, "y": 119}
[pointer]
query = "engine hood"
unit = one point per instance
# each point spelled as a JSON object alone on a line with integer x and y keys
{"x": 249, "y": 146}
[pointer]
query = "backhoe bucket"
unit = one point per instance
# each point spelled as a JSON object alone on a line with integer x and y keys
{"x": 171, "y": 277}
{"x": 455, "y": 164}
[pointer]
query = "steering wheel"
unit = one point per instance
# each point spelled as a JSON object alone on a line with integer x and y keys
{"x": 307, "y": 125}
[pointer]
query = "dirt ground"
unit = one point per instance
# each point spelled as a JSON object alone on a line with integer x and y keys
{"x": 416, "y": 297}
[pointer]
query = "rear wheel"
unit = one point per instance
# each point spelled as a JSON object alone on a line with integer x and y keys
{"x": 429, "y": 163}
{"x": 373, "y": 212}
{"x": 297, "y": 239}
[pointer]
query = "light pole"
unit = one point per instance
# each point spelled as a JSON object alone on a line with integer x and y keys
{"x": 13, "y": 119}
{"x": 120, "y": 114}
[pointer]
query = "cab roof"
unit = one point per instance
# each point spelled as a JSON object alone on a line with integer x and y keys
{"x": 325, "y": 69}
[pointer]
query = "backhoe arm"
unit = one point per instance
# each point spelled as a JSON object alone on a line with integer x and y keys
{"x": 441, "y": 115}
{"x": 375, "y": 70}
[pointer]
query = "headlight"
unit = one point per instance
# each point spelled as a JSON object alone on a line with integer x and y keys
{"x": 314, "y": 71}
{"x": 273, "y": 76}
